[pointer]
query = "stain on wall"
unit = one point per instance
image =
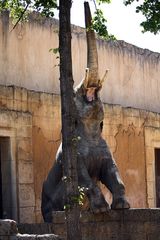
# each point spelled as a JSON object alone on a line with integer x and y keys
{"x": 130, "y": 155}
{"x": 44, "y": 151}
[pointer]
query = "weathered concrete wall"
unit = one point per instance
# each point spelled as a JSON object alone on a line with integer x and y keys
{"x": 133, "y": 224}
{"x": 32, "y": 120}
{"x": 25, "y": 61}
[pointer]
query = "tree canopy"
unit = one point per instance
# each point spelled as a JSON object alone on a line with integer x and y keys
{"x": 151, "y": 11}
{"x": 149, "y": 8}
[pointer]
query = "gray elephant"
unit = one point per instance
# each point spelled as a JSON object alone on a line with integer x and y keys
{"x": 94, "y": 160}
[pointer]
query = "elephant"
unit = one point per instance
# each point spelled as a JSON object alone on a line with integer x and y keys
{"x": 94, "y": 160}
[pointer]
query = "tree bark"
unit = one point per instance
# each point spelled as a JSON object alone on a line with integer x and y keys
{"x": 68, "y": 112}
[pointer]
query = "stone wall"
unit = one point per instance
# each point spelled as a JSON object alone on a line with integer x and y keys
{"x": 126, "y": 131}
{"x": 32, "y": 121}
{"x": 17, "y": 127}
{"x": 25, "y": 61}
{"x": 9, "y": 231}
{"x": 133, "y": 224}
{"x": 139, "y": 224}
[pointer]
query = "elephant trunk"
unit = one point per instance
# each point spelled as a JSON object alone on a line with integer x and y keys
{"x": 92, "y": 56}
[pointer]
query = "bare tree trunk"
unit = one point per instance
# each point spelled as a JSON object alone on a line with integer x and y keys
{"x": 68, "y": 123}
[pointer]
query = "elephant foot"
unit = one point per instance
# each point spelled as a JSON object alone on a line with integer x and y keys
{"x": 99, "y": 205}
{"x": 48, "y": 217}
{"x": 120, "y": 203}
{"x": 100, "y": 209}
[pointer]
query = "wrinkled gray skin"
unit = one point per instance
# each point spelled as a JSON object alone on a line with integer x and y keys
{"x": 95, "y": 163}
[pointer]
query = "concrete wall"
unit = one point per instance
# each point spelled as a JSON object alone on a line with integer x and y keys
{"x": 25, "y": 61}
{"x": 32, "y": 121}
{"x": 139, "y": 224}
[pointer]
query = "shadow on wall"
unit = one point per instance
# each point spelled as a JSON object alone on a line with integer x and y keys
{"x": 44, "y": 151}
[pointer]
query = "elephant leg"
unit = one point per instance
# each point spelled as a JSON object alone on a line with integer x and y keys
{"x": 46, "y": 208}
{"x": 52, "y": 192}
{"x": 110, "y": 177}
{"x": 92, "y": 191}
{"x": 56, "y": 203}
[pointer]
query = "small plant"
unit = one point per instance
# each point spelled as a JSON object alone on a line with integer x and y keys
{"x": 67, "y": 206}
{"x": 54, "y": 50}
{"x": 76, "y": 199}
{"x": 81, "y": 195}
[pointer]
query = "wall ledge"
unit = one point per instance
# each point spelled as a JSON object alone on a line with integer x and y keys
{"x": 132, "y": 224}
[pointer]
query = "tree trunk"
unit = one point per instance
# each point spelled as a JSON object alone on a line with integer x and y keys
{"x": 68, "y": 111}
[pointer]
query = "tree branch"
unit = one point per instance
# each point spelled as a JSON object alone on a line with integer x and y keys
{"x": 19, "y": 19}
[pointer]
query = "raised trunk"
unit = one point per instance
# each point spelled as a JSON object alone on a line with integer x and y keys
{"x": 92, "y": 56}
{"x": 68, "y": 122}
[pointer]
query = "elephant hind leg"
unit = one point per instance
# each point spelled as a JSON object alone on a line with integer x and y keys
{"x": 54, "y": 202}
{"x": 46, "y": 208}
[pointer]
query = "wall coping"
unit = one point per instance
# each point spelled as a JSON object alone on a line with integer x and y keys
{"x": 139, "y": 224}
{"x": 139, "y": 215}
{"x": 123, "y": 216}
{"x": 36, "y": 18}
{"x": 8, "y": 89}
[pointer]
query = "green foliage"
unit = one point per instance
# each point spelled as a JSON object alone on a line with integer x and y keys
{"x": 17, "y": 8}
{"x": 76, "y": 199}
{"x": 67, "y": 206}
{"x": 81, "y": 195}
{"x": 99, "y": 24}
{"x": 127, "y": 2}
{"x": 20, "y": 8}
{"x": 103, "y": 1}
{"x": 151, "y": 10}
{"x": 46, "y": 8}
{"x": 54, "y": 50}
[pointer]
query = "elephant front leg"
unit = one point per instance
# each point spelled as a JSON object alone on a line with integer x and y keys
{"x": 111, "y": 179}
{"x": 96, "y": 199}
